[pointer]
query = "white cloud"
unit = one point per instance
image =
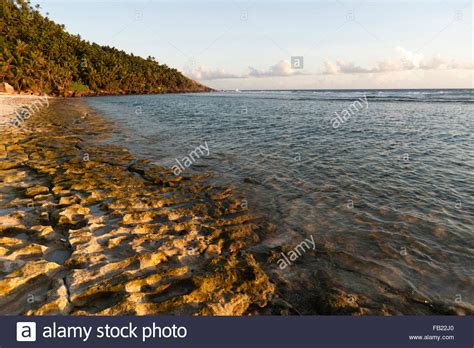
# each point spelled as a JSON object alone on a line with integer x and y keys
{"x": 342, "y": 67}
{"x": 203, "y": 73}
{"x": 406, "y": 61}
{"x": 460, "y": 65}
{"x": 412, "y": 57}
{"x": 331, "y": 68}
{"x": 282, "y": 68}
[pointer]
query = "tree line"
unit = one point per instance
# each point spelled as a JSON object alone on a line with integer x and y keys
{"x": 39, "y": 56}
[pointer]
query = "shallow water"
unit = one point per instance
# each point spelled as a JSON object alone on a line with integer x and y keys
{"x": 387, "y": 195}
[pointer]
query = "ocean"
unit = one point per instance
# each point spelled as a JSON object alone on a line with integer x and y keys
{"x": 380, "y": 180}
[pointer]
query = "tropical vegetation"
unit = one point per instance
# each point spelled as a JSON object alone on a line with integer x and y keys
{"x": 38, "y": 56}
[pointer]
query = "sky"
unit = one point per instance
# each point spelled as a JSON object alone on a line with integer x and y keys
{"x": 332, "y": 44}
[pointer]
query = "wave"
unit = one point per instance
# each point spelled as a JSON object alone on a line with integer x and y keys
{"x": 430, "y": 96}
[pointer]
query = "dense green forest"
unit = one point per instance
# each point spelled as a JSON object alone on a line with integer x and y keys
{"x": 39, "y": 56}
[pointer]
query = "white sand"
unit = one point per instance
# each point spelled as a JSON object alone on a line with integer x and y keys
{"x": 11, "y": 102}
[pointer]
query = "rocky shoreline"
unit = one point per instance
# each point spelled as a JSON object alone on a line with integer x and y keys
{"x": 14, "y": 105}
{"x": 87, "y": 229}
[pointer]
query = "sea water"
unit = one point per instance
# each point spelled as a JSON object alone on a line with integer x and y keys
{"x": 387, "y": 195}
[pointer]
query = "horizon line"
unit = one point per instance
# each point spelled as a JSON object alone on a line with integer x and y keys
{"x": 345, "y": 89}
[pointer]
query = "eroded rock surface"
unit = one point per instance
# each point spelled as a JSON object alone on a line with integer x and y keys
{"x": 87, "y": 229}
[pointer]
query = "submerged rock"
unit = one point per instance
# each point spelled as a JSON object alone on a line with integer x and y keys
{"x": 115, "y": 235}
{"x": 36, "y": 190}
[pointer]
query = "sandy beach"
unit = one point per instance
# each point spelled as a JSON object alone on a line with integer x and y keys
{"x": 87, "y": 229}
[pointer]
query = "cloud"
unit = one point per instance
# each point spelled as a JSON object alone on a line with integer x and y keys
{"x": 342, "y": 67}
{"x": 282, "y": 68}
{"x": 412, "y": 57}
{"x": 461, "y": 65}
{"x": 203, "y": 73}
{"x": 404, "y": 62}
